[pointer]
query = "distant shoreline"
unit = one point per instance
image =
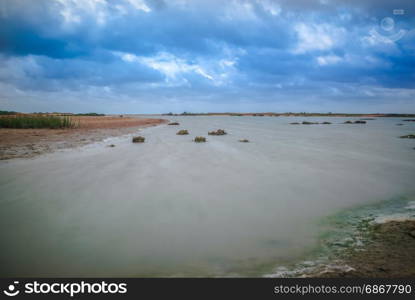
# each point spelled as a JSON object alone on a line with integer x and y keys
{"x": 232, "y": 114}
{"x": 271, "y": 114}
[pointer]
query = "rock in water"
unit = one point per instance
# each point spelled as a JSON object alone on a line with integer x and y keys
{"x": 182, "y": 132}
{"x": 409, "y": 136}
{"x": 138, "y": 139}
{"x": 200, "y": 139}
{"x": 217, "y": 132}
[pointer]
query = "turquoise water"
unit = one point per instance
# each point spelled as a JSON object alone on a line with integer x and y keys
{"x": 171, "y": 207}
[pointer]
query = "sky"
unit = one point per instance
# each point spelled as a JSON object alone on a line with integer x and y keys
{"x": 159, "y": 56}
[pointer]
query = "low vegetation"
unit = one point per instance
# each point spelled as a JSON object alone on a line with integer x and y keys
{"x": 217, "y": 132}
{"x": 200, "y": 139}
{"x": 182, "y": 132}
{"x": 36, "y": 121}
{"x": 6, "y": 112}
{"x": 90, "y": 114}
{"x": 139, "y": 139}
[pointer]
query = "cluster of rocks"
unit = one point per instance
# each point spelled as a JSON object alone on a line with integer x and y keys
{"x": 355, "y": 122}
{"x": 217, "y": 132}
{"x": 197, "y": 139}
{"x": 327, "y": 123}
{"x": 309, "y": 123}
{"x": 408, "y": 136}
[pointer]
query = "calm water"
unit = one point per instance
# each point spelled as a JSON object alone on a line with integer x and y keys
{"x": 171, "y": 207}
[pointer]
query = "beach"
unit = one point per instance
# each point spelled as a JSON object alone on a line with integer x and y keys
{"x": 289, "y": 203}
{"x": 25, "y": 143}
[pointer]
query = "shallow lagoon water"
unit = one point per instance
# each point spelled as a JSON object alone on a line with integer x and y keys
{"x": 172, "y": 207}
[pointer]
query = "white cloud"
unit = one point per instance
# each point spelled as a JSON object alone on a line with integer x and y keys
{"x": 317, "y": 37}
{"x": 328, "y": 60}
{"x": 73, "y": 11}
{"x": 139, "y": 5}
{"x": 169, "y": 65}
{"x": 270, "y": 6}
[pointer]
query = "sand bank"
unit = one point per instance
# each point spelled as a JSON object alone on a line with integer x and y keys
{"x": 24, "y": 143}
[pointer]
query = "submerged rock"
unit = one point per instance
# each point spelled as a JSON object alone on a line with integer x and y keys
{"x": 359, "y": 122}
{"x": 217, "y": 132}
{"x": 309, "y": 123}
{"x": 138, "y": 139}
{"x": 409, "y": 120}
{"x": 182, "y": 132}
{"x": 326, "y": 123}
{"x": 200, "y": 139}
{"x": 408, "y": 136}
{"x": 112, "y": 145}
{"x": 244, "y": 141}
{"x": 348, "y": 122}
{"x": 399, "y": 124}
{"x": 174, "y": 123}
{"x": 295, "y": 123}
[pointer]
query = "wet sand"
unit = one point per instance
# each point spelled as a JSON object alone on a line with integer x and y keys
{"x": 389, "y": 254}
{"x": 25, "y": 143}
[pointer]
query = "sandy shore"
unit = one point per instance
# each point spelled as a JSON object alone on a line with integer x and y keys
{"x": 24, "y": 143}
{"x": 389, "y": 254}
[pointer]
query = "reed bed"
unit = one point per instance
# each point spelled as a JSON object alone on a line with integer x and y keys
{"x": 37, "y": 121}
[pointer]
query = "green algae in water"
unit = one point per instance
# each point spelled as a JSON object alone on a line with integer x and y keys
{"x": 345, "y": 231}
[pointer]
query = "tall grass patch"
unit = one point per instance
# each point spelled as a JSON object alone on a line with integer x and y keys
{"x": 27, "y": 121}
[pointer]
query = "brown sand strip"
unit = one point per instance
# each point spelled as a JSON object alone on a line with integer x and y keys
{"x": 24, "y": 143}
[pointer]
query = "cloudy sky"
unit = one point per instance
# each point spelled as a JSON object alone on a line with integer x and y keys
{"x": 157, "y": 56}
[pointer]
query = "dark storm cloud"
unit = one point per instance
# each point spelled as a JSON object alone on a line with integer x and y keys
{"x": 209, "y": 51}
